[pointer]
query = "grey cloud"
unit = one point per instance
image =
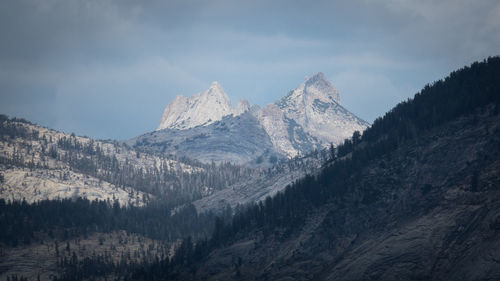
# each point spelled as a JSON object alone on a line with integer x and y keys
{"x": 123, "y": 61}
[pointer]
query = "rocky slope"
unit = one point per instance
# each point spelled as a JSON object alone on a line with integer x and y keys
{"x": 286, "y": 135}
{"x": 200, "y": 110}
{"x": 267, "y": 183}
{"x": 41, "y": 184}
{"x": 427, "y": 211}
{"x": 236, "y": 139}
{"x": 37, "y": 163}
{"x": 416, "y": 197}
{"x": 308, "y": 118}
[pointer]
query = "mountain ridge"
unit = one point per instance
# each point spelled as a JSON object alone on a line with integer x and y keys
{"x": 413, "y": 198}
{"x": 307, "y": 118}
{"x": 236, "y": 139}
{"x": 315, "y": 106}
{"x": 200, "y": 109}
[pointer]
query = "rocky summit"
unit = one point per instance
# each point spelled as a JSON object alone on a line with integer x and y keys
{"x": 308, "y": 118}
{"x": 236, "y": 139}
{"x": 201, "y": 109}
{"x": 413, "y": 197}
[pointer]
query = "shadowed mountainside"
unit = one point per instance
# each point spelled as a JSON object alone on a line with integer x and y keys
{"x": 414, "y": 198}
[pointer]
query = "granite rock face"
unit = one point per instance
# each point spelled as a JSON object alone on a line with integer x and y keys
{"x": 32, "y": 172}
{"x": 200, "y": 110}
{"x": 308, "y": 118}
{"x": 315, "y": 107}
{"x": 236, "y": 139}
{"x": 258, "y": 188}
{"x": 427, "y": 211}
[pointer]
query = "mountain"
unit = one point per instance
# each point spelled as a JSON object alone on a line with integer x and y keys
{"x": 315, "y": 106}
{"x": 426, "y": 211}
{"x": 37, "y": 163}
{"x": 200, "y": 110}
{"x": 415, "y": 197}
{"x": 70, "y": 197}
{"x": 264, "y": 184}
{"x": 236, "y": 139}
{"x": 308, "y": 118}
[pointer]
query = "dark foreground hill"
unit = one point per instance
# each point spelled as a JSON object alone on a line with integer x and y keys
{"x": 425, "y": 211}
{"x": 417, "y": 197}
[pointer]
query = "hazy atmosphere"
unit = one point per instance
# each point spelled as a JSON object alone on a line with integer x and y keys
{"x": 107, "y": 69}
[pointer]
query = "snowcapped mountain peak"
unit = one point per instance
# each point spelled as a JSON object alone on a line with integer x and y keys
{"x": 216, "y": 89}
{"x": 215, "y": 84}
{"x": 198, "y": 110}
{"x": 214, "y": 96}
{"x": 315, "y": 106}
{"x": 319, "y": 87}
{"x": 318, "y": 77}
{"x": 242, "y": 107}
{"x": 313, "y": 88}
{"x": 309, "y": 117}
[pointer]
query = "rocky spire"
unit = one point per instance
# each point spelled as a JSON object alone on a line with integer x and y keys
{"x": 201, "y": 109}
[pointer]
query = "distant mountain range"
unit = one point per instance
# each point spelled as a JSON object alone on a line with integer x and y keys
{"x": 414, "y": 197}
{"x": 200, "y": 110}
{"x": 208, "y": 128}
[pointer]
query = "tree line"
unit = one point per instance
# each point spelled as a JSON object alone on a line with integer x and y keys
{"x": 22, "y": 223}
{"x": 166, "y": 179}
{"x": 462, "y": 93}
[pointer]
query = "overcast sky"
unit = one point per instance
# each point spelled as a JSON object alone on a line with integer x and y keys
{"x": 107, "y": 69}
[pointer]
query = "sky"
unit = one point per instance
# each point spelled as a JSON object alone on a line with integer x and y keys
{"x": 107, "y": 69}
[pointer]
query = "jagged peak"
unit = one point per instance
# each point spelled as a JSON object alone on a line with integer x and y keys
{"x": 242, "y": 107}
{"x": 318, "y": 84}
{"x": 179, "y": 98}
{"x": 316, "y": 78}
{"x": 216, "y": 86}
{"x": 243, "y": 103}
{"x": 200, "y": 109}
{"x": 314, "y": 87}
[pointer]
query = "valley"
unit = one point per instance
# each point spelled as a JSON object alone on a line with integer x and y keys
{"x": 300, "y": 189}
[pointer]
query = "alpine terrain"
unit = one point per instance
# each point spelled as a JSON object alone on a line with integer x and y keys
{"x": 300, "y": 189}
{"x": 208, "y": 128}
{"x": 415, "y": 197}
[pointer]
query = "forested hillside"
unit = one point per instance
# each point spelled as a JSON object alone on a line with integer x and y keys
{"x": 60, "y": 188}
{"x": 415, "y": 197}
{"x": 55, "y": 160}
